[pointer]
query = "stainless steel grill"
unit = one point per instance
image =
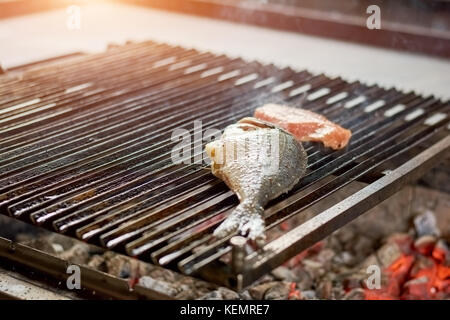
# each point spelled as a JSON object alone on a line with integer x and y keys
{"x": 86, "y": 151}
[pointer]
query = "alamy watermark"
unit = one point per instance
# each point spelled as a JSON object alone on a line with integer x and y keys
{"x": 73, "y": 21}
{"x": 74, "y": 280}
{"x": 373, "y": 282}
{"x": 374, "y": 20}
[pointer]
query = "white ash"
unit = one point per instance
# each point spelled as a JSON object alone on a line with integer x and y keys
{"x": 426, "y": 224}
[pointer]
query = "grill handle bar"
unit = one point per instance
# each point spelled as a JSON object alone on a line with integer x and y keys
{"x": 323, "y": 224}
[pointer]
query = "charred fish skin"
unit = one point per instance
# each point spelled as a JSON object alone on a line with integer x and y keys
{"x": 270, "y": 163}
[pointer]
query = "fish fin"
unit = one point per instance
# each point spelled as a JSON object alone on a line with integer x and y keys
{"x": 256, "y": 122}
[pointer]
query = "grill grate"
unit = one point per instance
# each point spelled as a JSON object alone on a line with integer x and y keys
{"x": 86, "y": 147}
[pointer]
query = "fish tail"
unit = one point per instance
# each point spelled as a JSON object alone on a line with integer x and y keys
{"x": 246, "y": 219}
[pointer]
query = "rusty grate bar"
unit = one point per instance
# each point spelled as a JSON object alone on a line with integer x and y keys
{"x": 86, "y": 142}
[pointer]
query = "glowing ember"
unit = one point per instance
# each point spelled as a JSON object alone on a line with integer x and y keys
{"x": 294, "y": 293}
{"x": 430, "y": 281}
{"x": 314, "y": 249}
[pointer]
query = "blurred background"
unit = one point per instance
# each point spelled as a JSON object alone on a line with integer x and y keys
{"x": 410, "y": 50}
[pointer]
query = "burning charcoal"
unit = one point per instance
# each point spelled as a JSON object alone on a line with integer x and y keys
{"x": 324, "y": 289}
{"x": 425, "y": 224}
{"x": 305, "y": 281}
{"x": 121, "y": 266}
{"x": 334, "y": 243}
{"x": 97, "y": 262}
{"x": 157, "y": 285}
{"x": 221, "y": 294}
{"x": 347, "y": 235}
{"x": 78, "y": 254}
{"x": 355, "y": 294}
{"x": 199, "y": 285}
{"x": 163, "y": 274}
{"x": 188, "y": 293}
{"x": 283, "y": 273}
{"x": 338, "y": 291}
{"x": 57, "y": 248}
{"x": 363, "y": 246}
{"x": 391, "y": 251}
{"x": 213, "y": 295}
{"x": 357, "y": 277}
{"x": 437, "y": 178}
{"x": 190, "y": 288}
{"x": 441, "y": 252}
{"x": 421, "y": 263}
{"x": 245, "y": 295}
{"x": 369, "y": 261}
{"x": 280, "y": 291}
{"x": 294, "y": 293}
{"x": 439, "y": 204}
{"x": 309, "y": 263}
{"x": 325, "y": 257}
{"x": 257, "y": 292}
{"x": 354, "y": 281}
{"x": 266, "y": 278}
{"x": 425, "y": 244}
{"x": 228, "y": 294}
{"x": 66, "y": 242}
{"x": 308, "y": 295}
{"x": 441, "y": 212}
{"x": 314, "y": 268}
{"x": 345, "y": 258}
{"x": 417, "y": 289}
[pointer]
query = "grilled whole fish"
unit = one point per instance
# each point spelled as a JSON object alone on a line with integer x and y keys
{"x": 259, "y": 162}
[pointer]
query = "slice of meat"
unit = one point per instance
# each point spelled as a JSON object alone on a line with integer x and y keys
{"x": 305, "y": 125}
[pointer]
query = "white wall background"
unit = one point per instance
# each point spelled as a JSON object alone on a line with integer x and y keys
{"x": 43, "y": 35}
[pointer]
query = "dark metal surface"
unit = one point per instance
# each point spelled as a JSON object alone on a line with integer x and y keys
{"x": 85, "y": 148}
